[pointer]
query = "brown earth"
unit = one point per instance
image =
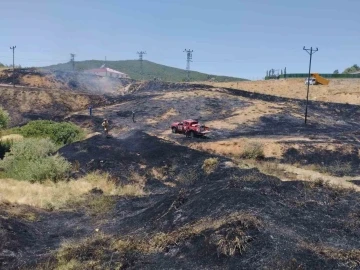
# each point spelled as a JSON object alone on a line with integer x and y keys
{"x": 26, "y": 104}
{"x": 64, "y": 80}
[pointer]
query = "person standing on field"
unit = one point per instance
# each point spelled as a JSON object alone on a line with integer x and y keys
{"x": 133, "y": 116}
{"x": 105, "y": 125}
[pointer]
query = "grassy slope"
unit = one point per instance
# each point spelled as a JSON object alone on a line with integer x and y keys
{"x": 151, "y": 70}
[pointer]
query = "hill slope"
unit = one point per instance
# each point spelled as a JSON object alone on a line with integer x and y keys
{"x": 151, "y": 70}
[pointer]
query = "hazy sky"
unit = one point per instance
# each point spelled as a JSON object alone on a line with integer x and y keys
{"x": 230, "y": 37}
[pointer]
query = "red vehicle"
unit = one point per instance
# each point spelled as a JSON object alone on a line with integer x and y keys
{"x": 190, "y": 128}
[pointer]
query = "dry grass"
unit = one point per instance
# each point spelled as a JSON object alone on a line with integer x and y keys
{"x": 241, "y": 221}
{"x": 102, "y": 251}
{"x": 337, "y": 189}
{"x": 135, "y": 178}
{"x": 275, "y": 169}
{"x": 12, "y": 138}
{"x": 231, "y": 241}
{"x": 188, "y": 176}
{"x": 342, "y": 168}
{"x": 253, "y": 151}
{"x": 159, "y": 173}
{"x": 23, "y": 213}
{"x": 350, "y": 258}
{"x": 210, "y": 165}
{"x": 339, "y": 90}
{"x": 50, "y": 195}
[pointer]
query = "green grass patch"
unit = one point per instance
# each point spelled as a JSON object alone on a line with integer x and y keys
{"x": 32, "y": 159}
{"x": 60, "y": 133}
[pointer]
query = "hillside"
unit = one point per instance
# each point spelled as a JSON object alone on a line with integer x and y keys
{"x": 338, "y": 90}
{"x": 151, "y": 70}
{"x": 261, "y": 191}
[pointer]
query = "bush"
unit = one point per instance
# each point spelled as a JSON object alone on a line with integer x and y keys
{"x": 210, "y": 165}
{"x": 59, "y": 133}
{"x": 4, "y": 118}
{"x": 32, "y": 160}
{"x": 4, "y": 148}
{"x": 253, "y": 151}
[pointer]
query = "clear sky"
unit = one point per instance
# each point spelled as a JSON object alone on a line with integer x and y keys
{"x": 242, "y": 38}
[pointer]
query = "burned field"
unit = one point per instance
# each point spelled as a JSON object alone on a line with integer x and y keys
{"x": 190, "y": 216}
{"x": 194, "y": 203}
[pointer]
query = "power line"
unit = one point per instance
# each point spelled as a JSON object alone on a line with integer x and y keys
{"x": 72, "y": 60}
{"x": 141, "y": 53}
{"x": 310, "y": 52}
{"x": 13, "y": 49}
{"x": 188, "y": 60}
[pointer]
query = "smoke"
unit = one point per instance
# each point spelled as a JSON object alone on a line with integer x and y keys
{"x": 92, "y": 83}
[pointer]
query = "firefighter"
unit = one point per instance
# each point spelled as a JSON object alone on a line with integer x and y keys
{"x": 105, "y": 125}
{"x": 133, "y": 116}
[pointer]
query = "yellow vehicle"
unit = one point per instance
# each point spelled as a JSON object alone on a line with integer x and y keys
{"x": 319, "y": 79}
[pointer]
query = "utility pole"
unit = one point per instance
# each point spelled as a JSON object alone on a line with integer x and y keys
{"x": 310, "y": 51}
{"x": 141, "y": 53}
{"x": 13, "y": 75}
{"x": 188, "y": 60}
{"x": 72, "y": 60}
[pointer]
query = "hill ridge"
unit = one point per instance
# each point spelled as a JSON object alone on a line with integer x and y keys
{"x": 151, "y": 70}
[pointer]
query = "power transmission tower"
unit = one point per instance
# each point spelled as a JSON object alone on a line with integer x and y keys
{"x": 72, "y": 60}
{"x": 188, "y": 60}
{"x": 13, "y": 49}
{"x": 141, "y": 53}
{"x": 310, "y": 51}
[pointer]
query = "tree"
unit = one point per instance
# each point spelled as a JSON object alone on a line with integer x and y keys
{"x": 351, "y": 69}
{"x": 4, "y": 118}
{"x": 336, "y": 71}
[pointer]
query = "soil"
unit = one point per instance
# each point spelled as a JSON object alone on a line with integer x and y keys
{"x": 338, "y": 90}
{"x": 305, "y": 225}
{"x": 291, "y": 213}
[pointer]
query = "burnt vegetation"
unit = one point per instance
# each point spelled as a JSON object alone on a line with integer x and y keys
{"x": 225, "y": 216}
{"x": 138, "y": 201}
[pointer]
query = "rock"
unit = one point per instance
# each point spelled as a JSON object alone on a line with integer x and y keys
{"x": 96, "y": 191}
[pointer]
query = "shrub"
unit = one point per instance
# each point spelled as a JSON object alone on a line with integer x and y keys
{"x": 4, "y": 148}
{"x": 4, "y": 118}
{"x": 210, "y": 165}
{"x": 253, "y": 151}
{"x": 59, "y": 133}
{"x": 31, "y": 160}
{"x": 337, "y": 168}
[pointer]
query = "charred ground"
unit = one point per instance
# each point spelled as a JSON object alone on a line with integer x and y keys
{"x": 272, "y": 223}
{"x": 196, "y": 214}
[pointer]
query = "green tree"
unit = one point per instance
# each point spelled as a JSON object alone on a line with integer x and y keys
{"x": 336, "y": 71}
{"x": 351, "y": 69}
